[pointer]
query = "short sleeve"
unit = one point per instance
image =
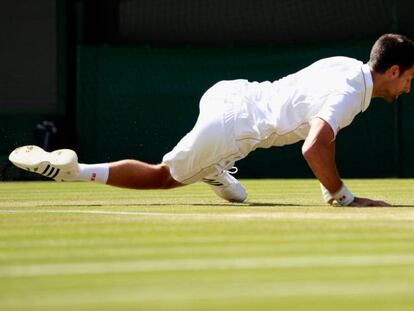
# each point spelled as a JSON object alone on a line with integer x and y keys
{"x": 339, "y": 110}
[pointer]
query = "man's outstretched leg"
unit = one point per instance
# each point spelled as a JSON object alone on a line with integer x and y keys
{"x": 140, "y": 175}
{"x": 62, "y": 165}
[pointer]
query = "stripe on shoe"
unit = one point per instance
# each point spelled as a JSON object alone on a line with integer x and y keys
{"x": 50, "y": 173}
{"x": 55, "y": 174}
{"x": 212, "y": 182}
{"x": 45, "y": 170}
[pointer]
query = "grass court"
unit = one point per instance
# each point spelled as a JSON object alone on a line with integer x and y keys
{"x": 81, "y": 246}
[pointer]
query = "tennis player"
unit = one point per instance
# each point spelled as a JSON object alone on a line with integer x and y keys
{"x": 237, "y": 117}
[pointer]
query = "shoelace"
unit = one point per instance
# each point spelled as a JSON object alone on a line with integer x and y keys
{"x": 233, "y": 170}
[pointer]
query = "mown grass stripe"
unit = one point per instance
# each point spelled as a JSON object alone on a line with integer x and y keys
{"x": 170, "y": 265}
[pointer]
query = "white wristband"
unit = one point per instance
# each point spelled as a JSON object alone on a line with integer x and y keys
{"x": 344, "y": 196}
{"x": 325, "y": 194}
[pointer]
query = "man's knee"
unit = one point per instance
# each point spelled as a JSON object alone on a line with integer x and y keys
{"x": 166, "y": 180}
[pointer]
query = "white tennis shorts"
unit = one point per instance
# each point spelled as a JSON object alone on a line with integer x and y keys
{"x": 211, "y": 146}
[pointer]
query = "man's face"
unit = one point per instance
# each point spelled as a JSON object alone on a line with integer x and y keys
{"x": 398, "y": 84}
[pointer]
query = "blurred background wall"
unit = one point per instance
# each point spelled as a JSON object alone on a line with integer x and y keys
{"x": 122, "y": 78}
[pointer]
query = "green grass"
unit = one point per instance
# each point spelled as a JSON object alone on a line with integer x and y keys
{"x": 80, "y": 246}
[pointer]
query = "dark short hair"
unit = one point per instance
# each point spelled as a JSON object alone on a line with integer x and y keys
{"x": 392, "y": 49}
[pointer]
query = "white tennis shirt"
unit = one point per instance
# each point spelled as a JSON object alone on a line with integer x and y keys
{"x": 238, "y": 116}
{"x": 277, "y": 113}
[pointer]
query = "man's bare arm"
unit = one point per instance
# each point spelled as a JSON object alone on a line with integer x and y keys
{"x": 319, "y": 151}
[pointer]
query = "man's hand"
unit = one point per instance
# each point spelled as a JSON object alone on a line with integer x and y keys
{"x": 363, "y": 202}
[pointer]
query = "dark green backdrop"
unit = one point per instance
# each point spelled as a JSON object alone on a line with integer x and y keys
{"x": 129, "y": 75}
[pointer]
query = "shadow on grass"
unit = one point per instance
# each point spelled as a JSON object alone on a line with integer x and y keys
{"x": 224, "y": 204}
{"x": 275, "y": 204}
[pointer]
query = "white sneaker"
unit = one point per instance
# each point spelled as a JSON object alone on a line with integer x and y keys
{"x": 60, "y": 165}
{"x": 227, "y": 187}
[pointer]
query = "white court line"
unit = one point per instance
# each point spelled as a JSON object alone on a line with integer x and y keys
{"x": 97, "y": 212}
{"x": 340, "y": 215}
{"x": 173, "y": 265}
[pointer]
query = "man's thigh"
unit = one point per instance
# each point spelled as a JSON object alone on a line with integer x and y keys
{"x": 206, "y": 150}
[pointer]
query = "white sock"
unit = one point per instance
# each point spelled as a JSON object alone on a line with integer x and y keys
{"x": 94, "y": 172}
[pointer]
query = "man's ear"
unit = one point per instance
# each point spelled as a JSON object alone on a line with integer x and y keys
{"x": 393, "y": 72}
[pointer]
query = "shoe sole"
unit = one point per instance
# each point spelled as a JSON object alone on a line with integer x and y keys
{"x": 35, "y": 159}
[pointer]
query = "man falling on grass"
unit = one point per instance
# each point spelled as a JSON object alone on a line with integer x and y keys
{"x": 238, "y": 116}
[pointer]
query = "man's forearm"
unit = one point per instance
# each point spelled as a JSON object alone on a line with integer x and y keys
{"x": 321, "y": 160}
{"x": 319, "y": 151}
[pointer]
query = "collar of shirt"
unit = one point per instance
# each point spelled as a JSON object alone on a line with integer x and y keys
{"x": 368, "y": 86}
